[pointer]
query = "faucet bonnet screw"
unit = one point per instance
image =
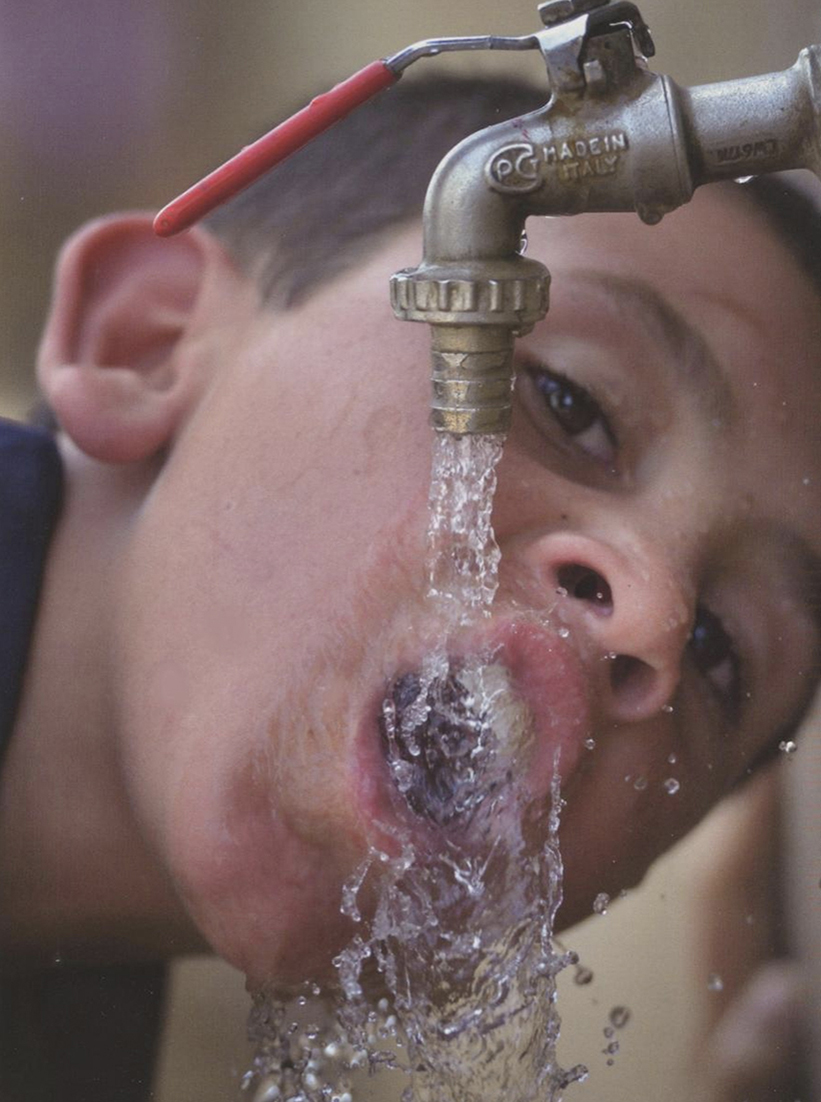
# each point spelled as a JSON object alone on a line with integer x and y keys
{"x": 557, "y": 11}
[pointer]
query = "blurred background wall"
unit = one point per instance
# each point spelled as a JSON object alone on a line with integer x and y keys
{"x": 121, "y": 103}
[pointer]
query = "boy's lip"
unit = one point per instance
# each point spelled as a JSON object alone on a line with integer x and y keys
{"x": 546, "y": 674}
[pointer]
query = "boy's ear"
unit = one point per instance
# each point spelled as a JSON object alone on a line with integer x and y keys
{"x": 110, "y": 362}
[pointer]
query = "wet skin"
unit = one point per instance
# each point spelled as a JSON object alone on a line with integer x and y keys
{"x": 267, "y": 582}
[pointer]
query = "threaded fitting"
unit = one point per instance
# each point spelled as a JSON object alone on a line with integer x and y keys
{"x": 472, "y": 378}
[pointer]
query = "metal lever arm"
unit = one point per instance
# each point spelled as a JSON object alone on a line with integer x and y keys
{"x": 321, "y": 113}
{"x": 256, "y": 159}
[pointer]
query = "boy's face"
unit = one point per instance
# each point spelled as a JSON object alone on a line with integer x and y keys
{"x": 658, "y": 515}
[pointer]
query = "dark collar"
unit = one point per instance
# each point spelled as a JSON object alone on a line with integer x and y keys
{"x": 31, "y": 480}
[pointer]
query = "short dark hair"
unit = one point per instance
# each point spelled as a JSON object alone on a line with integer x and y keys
{"x": 320, "y": 211}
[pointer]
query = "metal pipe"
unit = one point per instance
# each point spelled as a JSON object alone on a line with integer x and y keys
{"x": 612, "y": 137}
{"x": 762, "y": 124}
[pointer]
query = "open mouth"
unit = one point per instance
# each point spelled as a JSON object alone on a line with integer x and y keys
{"x": 450, "y": 738}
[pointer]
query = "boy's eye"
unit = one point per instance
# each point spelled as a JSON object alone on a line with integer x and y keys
{"x": 713, "y": 652}
{"x": 577, "y": 413}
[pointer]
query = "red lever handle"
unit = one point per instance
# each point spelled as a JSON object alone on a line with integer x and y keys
{"x": 261, "y": 156}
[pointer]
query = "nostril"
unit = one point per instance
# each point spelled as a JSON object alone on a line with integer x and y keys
{"x": 632, "y": 681}
{"x": 625, "y": 671}
{"x": 585, "y": 584}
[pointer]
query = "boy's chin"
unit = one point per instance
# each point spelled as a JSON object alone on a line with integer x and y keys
{"x": 273, "y": 912}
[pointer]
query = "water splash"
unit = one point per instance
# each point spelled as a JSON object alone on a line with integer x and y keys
{"x": 450, "y": 981}
{"x": 450, "y": 989}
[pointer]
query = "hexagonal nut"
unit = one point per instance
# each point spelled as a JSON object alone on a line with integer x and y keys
{"x": 513, "y": 303}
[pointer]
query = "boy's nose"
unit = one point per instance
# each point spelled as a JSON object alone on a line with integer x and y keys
{"x": 629, "y": 612}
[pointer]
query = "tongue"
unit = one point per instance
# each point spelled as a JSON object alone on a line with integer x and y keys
{"x": 450, "y": 739}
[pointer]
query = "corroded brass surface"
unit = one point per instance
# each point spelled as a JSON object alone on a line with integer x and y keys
{"x": 472, "y": 375}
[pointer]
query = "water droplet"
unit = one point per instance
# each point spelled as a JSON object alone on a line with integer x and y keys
{"x": 672, "y": 786}
{"x": 601, "y": 903}
{"x": 564, "y": 633}
{"x": 673, "y": 759}
{"x": 404, "y": 774}
{"x": 620, "y": 1016}
{"x": 668, "y": 709}
{"x": 640, "y": 784}
{"x": 561, "y": 591}
{"x": 590, "y": 743}
{"x": 743, "y": 179}
{"x": 578, "y": 1074}
{"x": 523, "y": 243}
{"x": 583, "y": 976}
{"x": 612, "y": 1048}
{"x": 268, "y": 1091}
{"x": 787, "y": 747}
{"x": 807, "y": 481}
{"x": 715, "y": 982}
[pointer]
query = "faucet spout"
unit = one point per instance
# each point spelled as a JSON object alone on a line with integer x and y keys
{"x": 616, "y": 137}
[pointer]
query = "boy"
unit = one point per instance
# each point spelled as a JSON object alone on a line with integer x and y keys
{"x": 237, "y": 574}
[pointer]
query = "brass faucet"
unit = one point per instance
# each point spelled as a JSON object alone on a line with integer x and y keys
{"x": 613, "y": 136}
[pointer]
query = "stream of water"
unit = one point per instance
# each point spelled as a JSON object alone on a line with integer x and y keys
{"x": 448, "y": 989}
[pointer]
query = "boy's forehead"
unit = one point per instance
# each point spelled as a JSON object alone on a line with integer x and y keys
{"x": 720, "y": 233}
{"x": 720, "y": 265}
{"x": 734, "y": 226}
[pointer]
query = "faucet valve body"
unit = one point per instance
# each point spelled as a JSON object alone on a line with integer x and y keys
{"x": 612, "y": 137}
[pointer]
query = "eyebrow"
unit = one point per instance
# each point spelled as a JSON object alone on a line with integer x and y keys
{"x": 693, "y": 361}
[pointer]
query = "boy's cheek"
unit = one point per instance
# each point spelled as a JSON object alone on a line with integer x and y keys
{"x": 623, "y": 812}
{"x": 264, "y": 898}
